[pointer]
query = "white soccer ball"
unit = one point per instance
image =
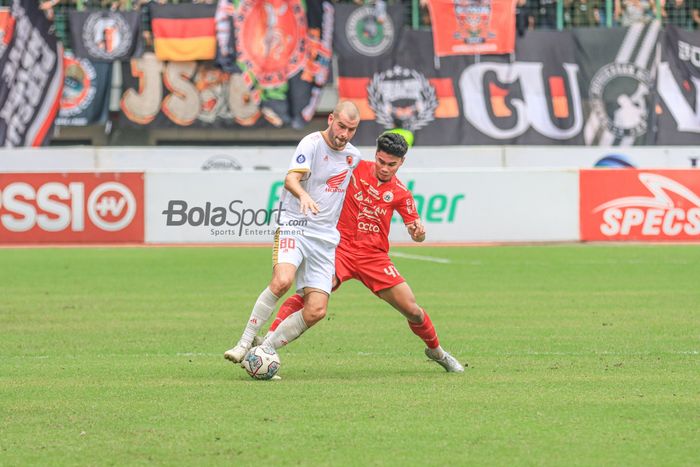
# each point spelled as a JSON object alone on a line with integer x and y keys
{"x": 261, "y": 362}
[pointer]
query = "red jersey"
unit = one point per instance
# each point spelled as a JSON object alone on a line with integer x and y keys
{"x": 365, "y": 219}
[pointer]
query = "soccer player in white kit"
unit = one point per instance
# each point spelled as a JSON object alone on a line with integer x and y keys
{"x": 304, "y": 247}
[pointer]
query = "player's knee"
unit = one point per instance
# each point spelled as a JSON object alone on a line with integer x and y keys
{"x": 313, "y": 314}
{"x": 413, "y": 312}
{"x": 280, "y": 284}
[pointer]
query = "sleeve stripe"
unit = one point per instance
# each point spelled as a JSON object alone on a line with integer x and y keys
{"x": 298, "y": 170}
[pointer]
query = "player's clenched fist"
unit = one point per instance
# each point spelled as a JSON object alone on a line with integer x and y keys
{"x": 417, "y": 231}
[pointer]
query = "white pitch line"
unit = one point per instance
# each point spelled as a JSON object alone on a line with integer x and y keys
{"x": 431, "y": 259}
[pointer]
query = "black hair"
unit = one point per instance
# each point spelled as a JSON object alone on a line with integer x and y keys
{"x": 392, "y": 143}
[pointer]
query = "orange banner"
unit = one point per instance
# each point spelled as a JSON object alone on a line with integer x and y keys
{"x": 472, "y": 27}
{"x": 652, "y": 205}
{"x": 71, "y": 208}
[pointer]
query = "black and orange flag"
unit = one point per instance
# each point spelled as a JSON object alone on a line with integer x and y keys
{"x": 184, "y": 32}
{"x": 473, "y": 27}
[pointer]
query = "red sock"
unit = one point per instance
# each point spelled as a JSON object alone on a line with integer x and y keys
{"x": 290, "y": 305}
{"x": 425, "y": 331}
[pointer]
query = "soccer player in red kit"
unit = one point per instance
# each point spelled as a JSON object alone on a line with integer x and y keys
{"x": 374, "y": 193}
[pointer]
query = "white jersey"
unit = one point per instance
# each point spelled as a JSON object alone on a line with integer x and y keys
{"x": 327, "y": 174}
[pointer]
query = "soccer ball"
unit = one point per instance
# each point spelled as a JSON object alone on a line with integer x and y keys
{"x": 261, "y": 362}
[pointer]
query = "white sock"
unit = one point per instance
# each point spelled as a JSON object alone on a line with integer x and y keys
{"x": 291, "y": 328}
{"x": 262, "y": 311}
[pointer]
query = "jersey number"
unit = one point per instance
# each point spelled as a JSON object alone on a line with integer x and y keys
{"x": 391, "y": 271}
{"x": 288, "y": 243}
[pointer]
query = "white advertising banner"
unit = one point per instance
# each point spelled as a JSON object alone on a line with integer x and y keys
{"x": 494, "y": 205}
{"x": 261, "y": 158}
{"x": 684, "y": 157}
{"x": 220, "y": 158}
{"x": 80, "y": 159}
{"x": 199, "y": 207}
{"x": 456, "y": 206}
{"x": 272, "y": 158}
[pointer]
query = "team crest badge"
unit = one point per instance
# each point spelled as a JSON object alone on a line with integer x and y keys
{"x": 78, "y": 85}
{"x": 367, "y": 35}
{"x": 348, "y": 159}
{"x": 473, "y": 17}
{"x": 620, "y": 96}
{"x": 388, "y": 197}
{"x": 271, "y": 39}
{"x": 402, "y": 98}
{"x": 107, "y": 35}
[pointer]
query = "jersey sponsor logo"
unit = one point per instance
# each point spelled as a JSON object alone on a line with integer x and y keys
{"x": 672, "y": 211}
{"x": 410, "y": 206}
{"x": 334, "y": 182}
{"x": 388, "y": 197}
{"x": 301, "y": 159}
{"x": 367, "y": 227}
{"x": 367, "y": 34}
{"x": 402, "y": 98}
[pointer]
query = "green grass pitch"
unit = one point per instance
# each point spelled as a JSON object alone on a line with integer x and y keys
{"x": 578, "y": 355}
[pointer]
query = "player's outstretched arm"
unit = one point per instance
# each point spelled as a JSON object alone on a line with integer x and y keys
{"x": 292, "y": 182}
{"x": 416, "y": 230}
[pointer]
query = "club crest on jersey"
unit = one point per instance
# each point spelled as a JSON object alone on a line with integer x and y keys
{"x": 388, "y": 197}
{"x": 301, "y": 159}
{"x": 334, "y": 182}
{"x": 348, "y": 159}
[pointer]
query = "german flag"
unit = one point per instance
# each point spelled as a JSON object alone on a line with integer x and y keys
{"x": 184, "y": 32}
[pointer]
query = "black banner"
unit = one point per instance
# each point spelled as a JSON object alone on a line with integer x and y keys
{"x": 85, "y": 99}
{"x": 105, "y": 35}
{"x": 367, "y": 33}
{"x": 678, "y": 88}
{"x": 533, "y": 99}
{"x": 606, "y": 88}
{"x": 617, "y": 81}
{"x": 30, "y": 76}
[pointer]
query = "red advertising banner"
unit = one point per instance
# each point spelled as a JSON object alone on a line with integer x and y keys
{"x": 472, "y": 27}
{"x": 71, "y": 207}
{"x": 653, "y": 205}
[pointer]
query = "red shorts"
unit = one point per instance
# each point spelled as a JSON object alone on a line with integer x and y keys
{"x": 376, "y": 272}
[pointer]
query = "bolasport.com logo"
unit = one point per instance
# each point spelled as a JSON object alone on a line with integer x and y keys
{"x": 233, "y": 219}
{"x": 73, "y": 207}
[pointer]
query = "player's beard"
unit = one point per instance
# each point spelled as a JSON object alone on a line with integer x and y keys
{"x": 336, "y": 143}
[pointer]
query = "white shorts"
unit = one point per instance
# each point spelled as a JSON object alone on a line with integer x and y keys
{"x": 313, "y": 257}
